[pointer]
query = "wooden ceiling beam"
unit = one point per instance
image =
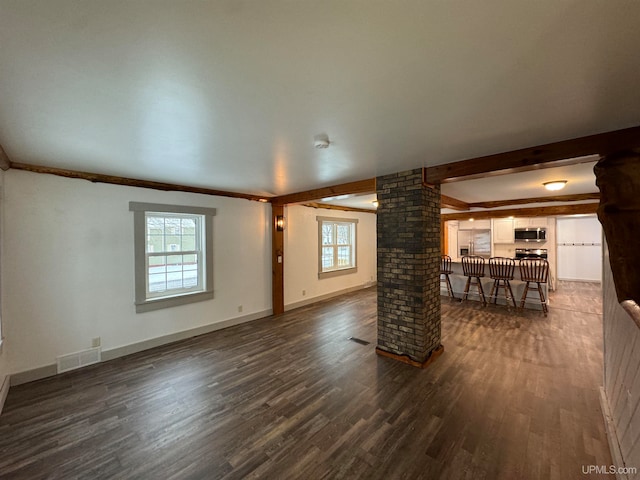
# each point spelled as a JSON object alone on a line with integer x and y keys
{"x": 454, "y": 203}
{"x": 133, "y": 182}
{"x": 5, "y": 163}
{"x": 575, "y": 209}
{"x": 579, "y": 197}
{"x": 566, "y": 152}
{"x": 337, "y": 207}
{"x": 360, "y": 187}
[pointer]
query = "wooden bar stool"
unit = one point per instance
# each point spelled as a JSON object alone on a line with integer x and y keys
{"x": 445, "y": 271}
{"x": 534, "y": 270}
{"x": 473, "y": 267}
{"x": 501, "y": 270}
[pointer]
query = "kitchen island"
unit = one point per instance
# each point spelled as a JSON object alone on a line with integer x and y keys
{"x": 458, "y": 282}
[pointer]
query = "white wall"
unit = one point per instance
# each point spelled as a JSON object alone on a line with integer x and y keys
{"x": 4, "y": 364}
{"x": 69, "y": 272}
{"x": 301, "y": 255}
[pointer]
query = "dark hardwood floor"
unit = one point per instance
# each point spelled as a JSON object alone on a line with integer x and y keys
{"x": 514, "y": 396}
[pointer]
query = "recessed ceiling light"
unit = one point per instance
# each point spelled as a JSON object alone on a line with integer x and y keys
{"x": 375, "y": 203}
{"x": 555, "y": 185}
{"x": 471, "y": 219}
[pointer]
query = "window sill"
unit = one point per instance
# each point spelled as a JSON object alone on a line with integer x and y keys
{"x": 167, "y": 302}
{"x": 336, "y": 273}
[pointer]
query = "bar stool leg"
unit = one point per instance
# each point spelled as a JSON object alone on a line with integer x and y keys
{"x": 495, "y": 287}
{"x": 481, "y": 291}
{"x": 466, "y": 289}
{"x": 513, "y": 299}
{"x": 543, "y": 300}
{"x": 524, "y": 295}
{"x": 449, "y": 287}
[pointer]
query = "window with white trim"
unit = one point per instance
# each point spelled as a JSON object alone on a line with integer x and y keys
{"x": 173, "y": 255}
{"x": 336, "y": 246}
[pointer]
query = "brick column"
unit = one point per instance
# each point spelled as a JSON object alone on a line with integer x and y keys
{"x": 408, "y": 236}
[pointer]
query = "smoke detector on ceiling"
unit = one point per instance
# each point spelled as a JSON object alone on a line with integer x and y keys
{"x": 321, "y": 141}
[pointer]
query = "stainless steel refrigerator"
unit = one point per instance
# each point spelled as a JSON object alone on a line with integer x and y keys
{"x": 474, "y": 242}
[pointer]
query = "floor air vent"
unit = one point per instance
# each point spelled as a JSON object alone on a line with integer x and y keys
{"x": 78, "y": 359}
{"x": 359, "y": 340}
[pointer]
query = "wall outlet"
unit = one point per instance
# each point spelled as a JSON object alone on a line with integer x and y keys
{"x": 239, "y": 308}
{"x": 304, "y": 292}
{"x": 95, "y": 342}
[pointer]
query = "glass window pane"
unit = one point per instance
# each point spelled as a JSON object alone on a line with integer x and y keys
{"x": 327, "y": 234}
{"x": 155, "y": 225}
{"x": 188, "y": 226}
{"x": 155, "y": 243}
{"x": 344, "y": 257}
{"x": 157, "y": 282}
{"x": 190, "y": 261}
{"x": 174, "y": 263}
{"x": 190, "y": 278}
{"x": 172, "y": 243}
{"x": 344, "y": 234}
{"x": 327, "y": 258}
{"x": 188, "y": 243}
{"x": 157, "y": 261}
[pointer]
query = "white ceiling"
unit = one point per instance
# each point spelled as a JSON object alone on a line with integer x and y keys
{"x": 229, "y": 94}
{"x": 580, "y": 179}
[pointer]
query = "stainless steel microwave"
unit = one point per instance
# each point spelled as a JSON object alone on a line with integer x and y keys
{"x": 530, "y": 234}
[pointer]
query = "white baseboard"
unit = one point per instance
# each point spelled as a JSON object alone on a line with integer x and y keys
{"x": 612, "y": 436}
{"x": 583, "y": 280}
{"x": 50, "y": 370}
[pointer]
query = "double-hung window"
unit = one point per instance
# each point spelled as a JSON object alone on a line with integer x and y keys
{"x": 173, "y": 255}
{"x": 336, "y": 246}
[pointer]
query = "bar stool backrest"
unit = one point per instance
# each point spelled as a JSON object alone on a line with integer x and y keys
{"x": 502, "y": 268}
{"x": 473, "y": 266}
{"x": 445, "y": 264}
{"x": 534, "y": 270}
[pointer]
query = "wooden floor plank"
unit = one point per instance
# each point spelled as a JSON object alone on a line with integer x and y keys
{"x": 515, "y": 395}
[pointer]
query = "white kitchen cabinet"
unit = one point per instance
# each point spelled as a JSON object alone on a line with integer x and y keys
{"x": 477, "y": 224}
{"x": 579, "y": 241}
{"x": 526, "y": 222}
{"x": 502, "y": 230}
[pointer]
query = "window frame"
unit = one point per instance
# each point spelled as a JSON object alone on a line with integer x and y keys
{"x": 354, "y": 255}
{"x": 145, "y": 302}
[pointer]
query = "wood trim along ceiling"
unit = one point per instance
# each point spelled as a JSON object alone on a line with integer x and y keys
{"x": 337, "y": 207}
{"x": 580, "y": 208}
{"x": 133, "y": 182}
{"x": 5, "y": 163}
{"x": 351, "y": 188}
{"x": 566, "y": 152}
{"x": 453, "y": 203}
{"x": 521, "y": 201}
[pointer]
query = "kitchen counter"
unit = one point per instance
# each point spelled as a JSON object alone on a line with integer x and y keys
{"x": 458, "y": 281}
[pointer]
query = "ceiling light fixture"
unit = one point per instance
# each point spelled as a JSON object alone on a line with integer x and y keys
{"x": 375, "y": 203}
{"x": 555, "y": 185}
